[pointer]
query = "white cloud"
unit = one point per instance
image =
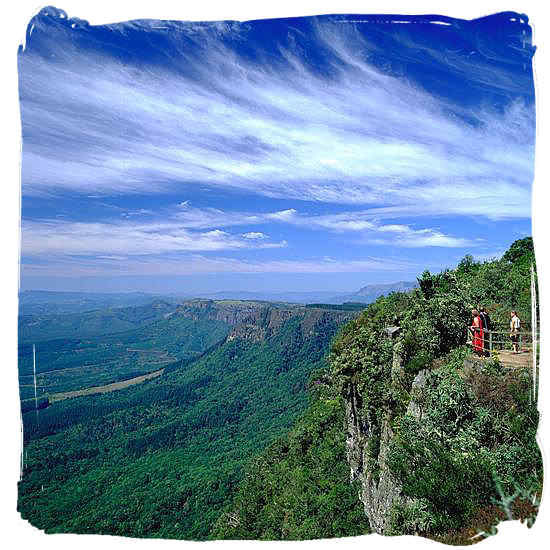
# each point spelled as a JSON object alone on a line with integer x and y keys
{"x": 361, "y": 137}
{"x": 56, "y": 237}
{"x": 199, "y": 230}
{"x": 283, "y": 215}
{"x": 362, "y": 222}
{"x": 425, "y": 237}
{"x": 372, "y": 231}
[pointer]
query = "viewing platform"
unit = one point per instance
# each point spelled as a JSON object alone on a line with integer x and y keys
{"x": 523, "y": 359}
{"x": 498, "y": 344}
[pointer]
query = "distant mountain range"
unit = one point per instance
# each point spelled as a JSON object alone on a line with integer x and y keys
{"x": 297, "y": 297}
{"x": 366, "y": 294}
{"x": 41, "y": 302}
{"x": 45, "y": 302}
{"x": 369, "y": 293}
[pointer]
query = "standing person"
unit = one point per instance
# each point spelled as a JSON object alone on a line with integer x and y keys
{"x": 477, "y": 332}
{"x": 486, "y": 320}
{"x": 515, "y": 325}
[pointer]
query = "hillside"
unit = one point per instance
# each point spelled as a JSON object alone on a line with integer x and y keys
{"x": 96, "y": 322}
{"x": 163, "y": 458}
{"x": 437, "y": 444}
{"x": 299, "y": 488}
{"x": 96, "y": 351}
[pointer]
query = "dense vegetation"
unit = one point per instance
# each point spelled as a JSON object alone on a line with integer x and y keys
{"x": 299, "y": 488}
{"x": 163, "y": 458}
{"x": 75, "y": 363}
{"x": 473, "y": 444}
{"x": 346, "y": 306}
{"x": 476, "y": 435}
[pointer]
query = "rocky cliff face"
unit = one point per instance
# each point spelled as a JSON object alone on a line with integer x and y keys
{"x": 368, "y": 443}
{"x": 256, "y": 321}
{"x": 230, "y": 312}
{"x": 378, "y": 489}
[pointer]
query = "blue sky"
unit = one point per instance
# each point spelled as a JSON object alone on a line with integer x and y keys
{"x": 294, "y": 154}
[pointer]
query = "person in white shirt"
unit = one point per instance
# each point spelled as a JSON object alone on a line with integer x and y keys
{"x": 515, "y": 325}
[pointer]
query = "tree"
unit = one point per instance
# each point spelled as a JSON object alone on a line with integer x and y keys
{"x": 519, "y": 249}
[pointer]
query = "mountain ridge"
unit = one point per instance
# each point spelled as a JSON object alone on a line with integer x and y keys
{"x": 369, "y": 293}
{"x": 53, "y": 301}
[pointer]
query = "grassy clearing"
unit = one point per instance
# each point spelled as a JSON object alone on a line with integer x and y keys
{"x": 105, "y": 389}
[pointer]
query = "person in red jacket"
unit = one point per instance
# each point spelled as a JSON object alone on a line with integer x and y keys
{"x": 477, "y": 332}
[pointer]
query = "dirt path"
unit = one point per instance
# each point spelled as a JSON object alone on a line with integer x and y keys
{"x": 104, "y": 389}
{"x": 523, "y": 359}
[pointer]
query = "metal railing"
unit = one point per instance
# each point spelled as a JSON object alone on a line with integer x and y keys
{"x": 499, "y": 344}
{"x": 498, "y": 340}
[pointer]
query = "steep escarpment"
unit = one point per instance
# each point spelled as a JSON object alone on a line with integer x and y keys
{"x": 367, "y": 443}
{"x": 428, "y": 446}
{"x": 433, "y": 444}
{"x": 257, "y": 321}
{"x": 231, "y": 312}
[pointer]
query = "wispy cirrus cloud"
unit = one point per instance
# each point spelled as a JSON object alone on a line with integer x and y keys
{"x": 292, "y": 135}
{"x": 358, "y": 137}
{"x": 364, "y": 222}
{"x": 56, "y": 237}
{"x": 192, "y": 229}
